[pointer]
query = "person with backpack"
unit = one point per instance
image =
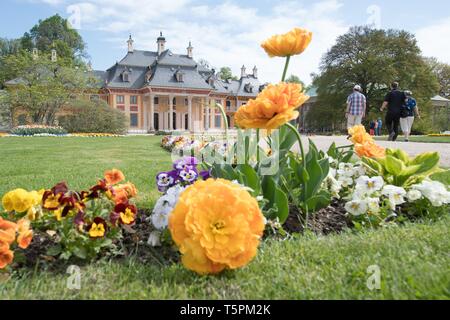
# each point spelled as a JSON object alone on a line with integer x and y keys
{"x": 393, "y": 101}
{"x": 409, "y": 109}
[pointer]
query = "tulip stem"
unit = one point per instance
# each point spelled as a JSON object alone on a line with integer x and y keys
{"x": 286, "y": 65}
{"x": 299, "y": 138}
{"x": 257, "y": 146}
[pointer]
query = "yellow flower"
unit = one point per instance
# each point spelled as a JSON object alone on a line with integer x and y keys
{"x": 25, "y": 233}
{"x": 272, "y": 108}
{"x": 127, "y": 216}
{"x": 7, "y": 202}
{"x": 288, "y": 44}
{"x": 18, "y": 200}
{"x": 97, "y": 230}
{"x": 216, "y": 224}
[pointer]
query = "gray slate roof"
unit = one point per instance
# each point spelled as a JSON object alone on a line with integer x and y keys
{"x": 163, "y": 69}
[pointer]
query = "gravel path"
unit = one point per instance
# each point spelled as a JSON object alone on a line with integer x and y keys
{"x": 412, "y": 148}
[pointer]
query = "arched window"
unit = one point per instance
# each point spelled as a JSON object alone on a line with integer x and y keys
{"x": 229, "y": 121}
{"x": 186, "y": 122}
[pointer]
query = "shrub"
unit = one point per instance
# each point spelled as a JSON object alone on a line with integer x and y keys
{"x": 94, "y": 117}
{"x": 32, "y": 130}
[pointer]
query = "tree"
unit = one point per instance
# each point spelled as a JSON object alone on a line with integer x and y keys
{"x": 226, "y": 74}
{"x": 42, "y": 87}
{"x": 295, "y": 79}
{"x": 204, "y": 63}
{"x": 442, "y": 72}
{"x": 9, "y": 46}
{"x": 373, "y": 59}
{"x": 55, "y": 32}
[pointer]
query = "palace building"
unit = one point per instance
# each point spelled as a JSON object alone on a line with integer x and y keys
{"x": 162, "y": 90}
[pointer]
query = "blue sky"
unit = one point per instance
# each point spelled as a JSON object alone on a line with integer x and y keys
{"x": 229, "y": 32}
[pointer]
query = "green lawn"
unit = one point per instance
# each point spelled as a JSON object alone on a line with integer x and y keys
{"x": 420, "y": 139}
{"x": 413, "y": 259}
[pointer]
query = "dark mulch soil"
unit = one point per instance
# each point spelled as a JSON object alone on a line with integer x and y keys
{"x": 331, "y": 219}
{"x": 133, "y": 244}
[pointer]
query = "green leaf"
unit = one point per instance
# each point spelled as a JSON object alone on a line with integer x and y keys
{"x": 54, "y": 250}
{"x": 276, "y": 197}
{"x": 80, "y": 252}
{"x": 427, "y": 161}
{"x": 251, "y": 178}
{"x": 318, "y": 201}
{"x": 393, "y": 165}
{"x": 373, "y": 164}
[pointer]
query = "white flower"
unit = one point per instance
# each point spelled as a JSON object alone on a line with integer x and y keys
{"x": 359, "y": 171}
{"x": 332, "y": 173}
{"x": 356, "y": 207}
{"x": 345, "y": 181}
{"x": 395, "y": 195}
{"x": 434, "y": 191}
{"x": 413, "y": 195}
{"x": 369, "y": 185}
{"x": 373, "y": 205}
{"x": 154, "y": 239}
{"x": 345, "y": 169}
{"x": 160, "y": 220}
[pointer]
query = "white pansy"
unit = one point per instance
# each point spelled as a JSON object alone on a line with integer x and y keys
{"x": 369, "y": 185}
{"x": 164, "y": 206}
{"x": 154, "y": 239}
{"x": 373, "y": 205}
{"x": 359, "y": 171}
{"x": 345, "y": 169}
{"x": 395, "y": 195}
{"x": 434, "y": 191}
{"x": 413, "y": 195}
{"x": 160, "y": 220}
{"x": 345, "y": 181}
{"x": 332, "y": 173}
{"x": 356, "y": 207}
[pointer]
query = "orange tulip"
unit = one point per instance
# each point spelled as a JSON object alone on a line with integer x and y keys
{"x": 272, "y": 108}
{"x": 288, "y": 44}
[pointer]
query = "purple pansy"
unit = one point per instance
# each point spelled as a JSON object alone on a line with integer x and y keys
{"x": 165, "y": 180}
{"x": 205, "y": 174}
{"x": 185, "y": 163}
{"x": 188, "y": 175}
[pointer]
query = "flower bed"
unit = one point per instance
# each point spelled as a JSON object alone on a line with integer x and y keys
{"x": 38, "y": 130}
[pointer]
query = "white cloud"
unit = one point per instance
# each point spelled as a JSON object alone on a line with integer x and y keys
{"x": 434, "y": 40}
{"x": 225, "y": 34}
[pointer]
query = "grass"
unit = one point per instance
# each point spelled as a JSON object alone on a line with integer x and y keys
{"x": 41, "y": 162}
{"x": 413, "y": 258}
{"x": 426, "y": 139}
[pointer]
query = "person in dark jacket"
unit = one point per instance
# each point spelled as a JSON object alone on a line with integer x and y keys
{"x": 393, "y": 101}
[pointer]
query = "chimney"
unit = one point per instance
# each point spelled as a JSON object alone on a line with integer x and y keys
{"x": 54, "y": 56}
{"x": 243, "y": 73}
{"x": 189, "y": 50}
{"x": 130, "y": 44}
{"x": 255, "y": 72}
{"x": 35, "y": 53}
{"x": 161, "y": 41}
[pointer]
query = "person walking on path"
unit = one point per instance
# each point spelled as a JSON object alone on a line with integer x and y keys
{"x": 393, "y": 101}
{"x": 410, "y": 109}
{"x": 356, "y": 107}
{"x": 372, "y": 126}
{"x": 379, "y": 126}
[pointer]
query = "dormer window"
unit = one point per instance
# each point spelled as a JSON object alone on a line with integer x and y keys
{"x": 248, "y": 88}
{"x": 148, "y": 75}
{"x": 126, "y": 76}
{"x": 179, "y": 76}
